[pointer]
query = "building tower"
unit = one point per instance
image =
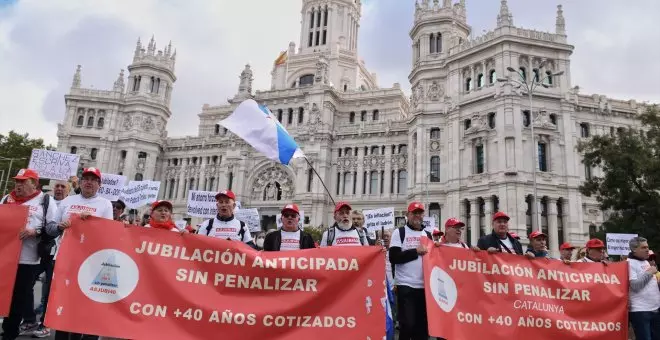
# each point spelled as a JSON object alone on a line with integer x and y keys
{"x": 328, "y": 25}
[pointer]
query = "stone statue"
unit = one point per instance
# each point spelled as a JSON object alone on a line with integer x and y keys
{"x": 435, "y": 91}
{"x": 245, "y": 86}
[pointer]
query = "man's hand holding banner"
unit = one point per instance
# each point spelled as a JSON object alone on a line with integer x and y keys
{"x": 470, "y": 295}
{"x": 140, "y": 283}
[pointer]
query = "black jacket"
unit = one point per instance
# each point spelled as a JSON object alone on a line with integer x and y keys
{"x": 273, "y": 241}
{"x": 492, "y": 240}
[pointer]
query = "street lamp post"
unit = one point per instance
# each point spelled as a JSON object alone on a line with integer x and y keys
{"x": 11, "y": 162}
{"x": 529, "y": 87}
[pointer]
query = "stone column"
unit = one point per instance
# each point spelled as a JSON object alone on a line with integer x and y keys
{"x": 488, "y": 202}
{"x": 165, "y": 187}
{"x": 474, "y": 221}
{"x": 181, "y": 185}
{"x": 553, "y": 233}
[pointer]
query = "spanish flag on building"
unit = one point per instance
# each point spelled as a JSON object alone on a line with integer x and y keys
{"x": 281, "y": 59}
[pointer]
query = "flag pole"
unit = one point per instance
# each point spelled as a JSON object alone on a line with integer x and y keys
{"x": 320, "y": 179}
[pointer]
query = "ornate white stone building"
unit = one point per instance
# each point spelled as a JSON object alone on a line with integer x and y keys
{"x": 461, "y": 142}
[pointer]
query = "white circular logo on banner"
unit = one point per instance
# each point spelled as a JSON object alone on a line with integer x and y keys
{"x": 108, "y": 276}
{"x": 443, "y": 289}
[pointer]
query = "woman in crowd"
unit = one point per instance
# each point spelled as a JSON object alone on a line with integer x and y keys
{"x": 161, "y": 217}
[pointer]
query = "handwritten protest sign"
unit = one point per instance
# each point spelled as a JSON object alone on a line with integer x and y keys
{"x": 301, "y": 222}
{"x": 618, "y": 244}
{"x": 506, "y": 296}
{"x": 429, "y": 223}
{"x": 14, "y": 218}
{"x": 202, "y": 204}
{"x": 376, "y": 219}
{"x": 139, "y": 283}
{"x": 137, "y": 194}
{"x": 251, "y": 219}
{"x": 111, "y": 186}
{"x": 53, "y": 164}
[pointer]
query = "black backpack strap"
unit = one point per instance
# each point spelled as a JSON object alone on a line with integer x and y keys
{"x": 300, "y": 242}
{"x": 45, "y": 202}
{"x": 241, "y": 233}
{"x": 402, "y": 234}
{"x": 209, "y": 226}
{"x": 362, "y": 236}
{"x": 331, "y": 236}
{"x": 429, "y": 234}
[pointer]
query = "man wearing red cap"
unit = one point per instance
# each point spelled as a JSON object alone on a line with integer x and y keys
{"x": 405, "y": 254}
{"x": 289, "y": 237}
{"x": 538, "y": 245}
{"x": 453, "y": 230}
{"x": 595, "y": 249}
{"x": 566, "y": 251}
{"x": 224, "y": 225}
{"x": 35, "y": 245}
{"x": 87, "y": 203}
{"x": 500, "y": 240}
{"x": 343, "y": 232}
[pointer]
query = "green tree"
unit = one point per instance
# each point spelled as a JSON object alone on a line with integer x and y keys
{"x": 630, "y": 185}
{"x": 19, "y": 148}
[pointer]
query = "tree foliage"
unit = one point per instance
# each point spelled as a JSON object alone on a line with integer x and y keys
{"x": 19, "y": 148}
{"x": 630, "y": 185}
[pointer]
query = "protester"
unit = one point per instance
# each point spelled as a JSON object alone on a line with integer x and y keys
{"x": 42, "y": 213}
{"x": 358, "y": 222}
{"x": 437, "y": 234}
{"x": 290, "y": 237}
{"x": 538, "y": 245}
{"x": 514, "y": 235}
{"x": 118, "y": 208}
{"x": 224, "y": 225}
{"x": 500, "y": 240}
{"x": 161, "y": 217}
{"x": 594, "y": 252}
{"x": 566, "y": 251}
{"x": 453, "y": 230}
{"x": 342, "y": 232}
{"x": 261, "y": 237}
{"x": 405, "y": 254}
{"x": 87, "y": 203}
{"x": 644, "y": 294}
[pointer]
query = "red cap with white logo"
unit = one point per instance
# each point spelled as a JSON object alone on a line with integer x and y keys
{"x": 291, "y": 208}
{"x": 536, "y": 234}
{"x": 226, "y": 193}
{"x": 24, "y": 174}
{"x": 454, "y": 222}
{"x": 414, "y": 206}
{"x": 92, "y": 171}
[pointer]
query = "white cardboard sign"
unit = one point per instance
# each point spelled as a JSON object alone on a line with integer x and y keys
{"x": 53, "y": 164}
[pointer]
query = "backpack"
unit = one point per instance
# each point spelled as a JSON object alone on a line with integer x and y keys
{"x": 331, "y": 236}
{"x": 241, "y": 232}
{"x": 46, "y": 242}
{"x": 402, "y": 236}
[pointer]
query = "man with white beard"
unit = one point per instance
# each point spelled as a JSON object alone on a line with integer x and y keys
{"x": 453, "y": 230}
{"x": 343, "y": 233}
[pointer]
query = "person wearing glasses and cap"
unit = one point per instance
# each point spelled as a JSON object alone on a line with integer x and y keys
{"x": 500, "y": 240}
{"x": 453, "y": 230}
{"x": 290, "y": 237}
{"x": 343, "y": 232}
{"x": 224, "y": 225}
{"x": 594, "y": 253}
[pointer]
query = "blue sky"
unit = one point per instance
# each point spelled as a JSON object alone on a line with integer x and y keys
{"x": 42, "y": 41}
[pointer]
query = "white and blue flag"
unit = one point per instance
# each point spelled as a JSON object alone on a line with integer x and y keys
{"x": 258, "y": 126}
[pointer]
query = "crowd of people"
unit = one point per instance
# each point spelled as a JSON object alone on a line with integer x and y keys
{"x": 49, "y": 217}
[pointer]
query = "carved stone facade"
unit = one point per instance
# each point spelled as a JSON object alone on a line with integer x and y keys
{"x": 462, "y": 143}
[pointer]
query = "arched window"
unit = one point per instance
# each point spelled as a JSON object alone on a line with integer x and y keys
{"x": 138, "y": 176}
{"x": 306, "y": 80}
{"x": 301, "y": 115}
{"x": 100, "y": 123}
{"x": 348, "y": 152}
{"x": 468, "y": 84}
{"x": 142, "y": 155}
{"x": 553, "y": 118}
{"x": 468, "y": 222}
{"x": 432, "y": 43}
{"x": 123, "y": 155}
{"x": 438, "y": 43}
{"x": 403, "y": 149}
{"x": 310, "y": 179}
{"x": 528, "y": 212}
{"x": 363, "y": 116}
{"x": 157, "y": 85}
{"x": 435, "y": 169}
{"x": 481, "y": 203}
{"x": 523, "y": 73}
{"x": 171, "y": 193}
{"x": 231, "y": 180}
{"x": 289, "y": 120}
{"x": 279, "y": 115}
{"x": 191, "y": 184}
{"x": 93, "y": 153}
{"x": 373, "y": 187}
{"x": 584, "y": 130}
{"x": 345, "y": 87}
{"x": 560, "y": 221}
{"x": 434, "y": 211}
{"x": 74, "y": 150}
{"x": 435, "y": 133}
{"x": 217, "y": 129}
{"x": 348, "y": 179}
{"x": 136, "y": 83}
{"x": 403, "y": 178}
{"x": 491, "y": 120}
{"x": 492, "y": 77}
{"x": 211, "y": 184}
{"x": 544, "y": 218}
{"x": 537, "y": 75}
{"x": 90, "y": 122}
{"x": 351, "y": 117}
{"x": 480, "y": 80}
{"x": 548, "y": 78}
{"x": 153, "y": 84}
{"x": 375, "y": 115}
{"x": 81, "y": 121}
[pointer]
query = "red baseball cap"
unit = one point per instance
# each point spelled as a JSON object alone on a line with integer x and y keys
{"x": 226, "y": 193}
{"x": 454, "y": 222}
{"x": 24, "y": 174}
{"x": 501, "y": 214}
{"x": 514, "y": 235}
{"x": 292, "y": 208}
{"x": 159, "y": 203}
{"x": 536, "y": 234}
{"x": 437, "y": 232}
{"x": 92, "y": 171}
{"x": 566, "y": 246}
{"x": 340, "y": 205}
{"x": 414, "y": 206}
{"x": 595, "y": 243}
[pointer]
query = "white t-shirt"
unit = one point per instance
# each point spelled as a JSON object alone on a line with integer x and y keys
{"x": 648, "y": 298}
{"x": 509, "y": 245}
{"x": 409, "y": 274}
{"x": 457, "y": 245}
{"x": 344, "y": 238}
{"x": 290, "y": 240}
{"x": 227, "y": 230}
{"x": 35, "y": 221}
{"x": 77, "y": 204}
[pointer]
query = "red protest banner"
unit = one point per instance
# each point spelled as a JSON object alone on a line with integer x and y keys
{"x": 139, "y": 283}
{"x": 14, "y": 218}
{"x": 511, "y": 297}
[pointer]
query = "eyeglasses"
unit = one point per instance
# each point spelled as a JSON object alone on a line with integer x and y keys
{"x": 289, "y": 215}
